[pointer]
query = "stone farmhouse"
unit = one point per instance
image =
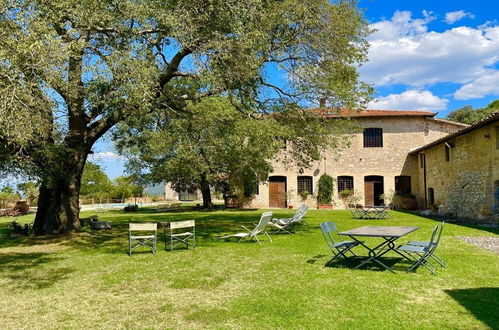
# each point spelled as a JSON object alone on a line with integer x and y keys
{"x": 459, "y": 173}
{"x": 378, "y": 162}
{"x": 396, "y": 151}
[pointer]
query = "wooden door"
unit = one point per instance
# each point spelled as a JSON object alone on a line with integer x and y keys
{"x": 369, "y": 192}
{"x": 277, "y": 194}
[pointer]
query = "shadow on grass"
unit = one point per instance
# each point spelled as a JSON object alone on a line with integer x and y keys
{"x": 209, "y": 227}
{"x": 483, "y": 303}
{"x": 25, "y": 270}
{"x": 395, "y": 263}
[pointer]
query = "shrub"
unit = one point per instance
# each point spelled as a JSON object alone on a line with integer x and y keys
{"x": 346, "y": 193}
{"x": 325, "y": 189}
{"x": 131, "y": 208}
{"x": 304, "y": 195}
{"x": 19, "y": 229}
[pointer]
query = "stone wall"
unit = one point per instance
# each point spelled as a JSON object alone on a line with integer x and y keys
{"x": 400, "y": 136}
{"x": 473, "y": 156}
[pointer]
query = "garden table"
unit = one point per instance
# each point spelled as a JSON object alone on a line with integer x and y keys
{"x": 374, "y": 212}
{"x": 389, "y": 233}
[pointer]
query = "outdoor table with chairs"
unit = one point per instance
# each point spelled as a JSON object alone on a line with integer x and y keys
{"x": 369, "y": 211}
{"x": 420, "y": 253}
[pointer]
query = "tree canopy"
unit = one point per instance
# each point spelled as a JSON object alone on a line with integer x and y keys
{"x": 469, "y": 115}
{"x": 216, "y": 146}
{"x": 71, "y": 70}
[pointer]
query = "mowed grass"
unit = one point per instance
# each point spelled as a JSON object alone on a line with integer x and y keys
{"x": 87, "y": 280}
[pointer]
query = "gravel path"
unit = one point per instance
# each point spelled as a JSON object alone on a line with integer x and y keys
{"x": 489, "y": 243}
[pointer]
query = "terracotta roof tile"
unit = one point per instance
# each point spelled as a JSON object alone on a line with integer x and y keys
{"x": 333, "y": 113}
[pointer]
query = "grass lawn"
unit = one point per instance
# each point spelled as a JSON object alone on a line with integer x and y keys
{"x": 88, "y": 280}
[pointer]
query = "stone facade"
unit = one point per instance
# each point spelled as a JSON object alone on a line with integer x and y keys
{"x": 462, "y": 169}
{"x": 401, "y": 134}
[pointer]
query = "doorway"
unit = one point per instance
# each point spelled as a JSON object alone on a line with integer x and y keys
{"x": 277, "y": 191}
{"x": 373, "y": 189}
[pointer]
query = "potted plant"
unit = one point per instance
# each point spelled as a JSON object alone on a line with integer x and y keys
{"x": 405, "y": 200}
{"x": 325, "y": 192}
{"x": 347, "y": 197}
{"x": 304, "y": 195}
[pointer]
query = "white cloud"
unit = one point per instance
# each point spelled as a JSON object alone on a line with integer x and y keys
{"x": 403, "y": 51}
{"x": 105, "y": 156}
{"x": 454, "y": 16}
{"x": 410, "y": 100}
{"x": 487, "y": 84}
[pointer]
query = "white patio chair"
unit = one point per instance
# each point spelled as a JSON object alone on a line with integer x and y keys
{"x": 253, "y": 234}
{"x": 185, "y": 237}
{"x": 284, "y": 224}
{"x": 148, "y": 241}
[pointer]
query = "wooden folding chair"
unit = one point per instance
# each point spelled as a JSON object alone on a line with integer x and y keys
{"x": 148, "y": 241}
{"x": 176, "y": 237}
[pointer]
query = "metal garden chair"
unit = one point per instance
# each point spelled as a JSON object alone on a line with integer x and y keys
{"x": 339, "y": 247}
{"x": 176, "y": 237}
{"x": 253, "y": 234}
{"x": 148, "y": 241}
{"x": 286, "y": 225}
{"x": 296, "y": 218}
{"x": 422, "y": 254}
{"x": 428, "y": 243}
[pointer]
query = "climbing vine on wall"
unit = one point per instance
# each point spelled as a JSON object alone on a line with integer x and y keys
{"x": 467, "y": 195}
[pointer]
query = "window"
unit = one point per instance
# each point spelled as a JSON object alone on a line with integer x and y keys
{"x": 345, "y": 183}
{"x": 373, "y": 137}
{"x": 403, "y": 184}
{"x": 431, "y": 196}
{"x": 305, "y": 183}
{"x": 447, "y": 153}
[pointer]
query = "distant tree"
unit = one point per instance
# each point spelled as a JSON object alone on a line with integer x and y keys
{"x": 7, "y": 195}
{"x": 125, "y": 187}
{"x": 29, "y": 191}
{"x": 469, "y": 115}
{"x": 94, "y": 182}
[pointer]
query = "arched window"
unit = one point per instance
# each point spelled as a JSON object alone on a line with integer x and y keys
{"x": 345, "y": 183}
{"x": 431, "y": 196}
{"x": 305, "y": 183}
{"x": 373, "y": 137}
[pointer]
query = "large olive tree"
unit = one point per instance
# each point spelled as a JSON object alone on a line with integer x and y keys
{"x": 71, "y": 70}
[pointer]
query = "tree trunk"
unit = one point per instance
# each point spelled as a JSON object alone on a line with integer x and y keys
{"x": 58, "y": 203}
{"x": 206, "y": 192}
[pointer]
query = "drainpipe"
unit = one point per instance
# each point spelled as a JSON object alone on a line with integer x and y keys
{"x": 424, "y": 181}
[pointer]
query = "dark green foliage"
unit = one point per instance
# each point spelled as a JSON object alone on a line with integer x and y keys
{"x": 468, "y": 115}
{"x": 131, "y": 208}
{"x": 325, "y": 189}
{"x": 19, "y": 229}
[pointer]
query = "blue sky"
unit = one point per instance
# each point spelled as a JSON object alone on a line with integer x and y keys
{"x": 425, "y": 55}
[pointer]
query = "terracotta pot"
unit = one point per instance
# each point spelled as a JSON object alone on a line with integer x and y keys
{"x": 325, "y": 206}
{"x": 290, "y": 206}
{"x": 408, "y": 204}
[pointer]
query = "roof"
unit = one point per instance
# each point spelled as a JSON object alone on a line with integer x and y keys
{"x": 450, "y": 122}
{"x": 479, "y": 124}
{"x": 333, "y": 113}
